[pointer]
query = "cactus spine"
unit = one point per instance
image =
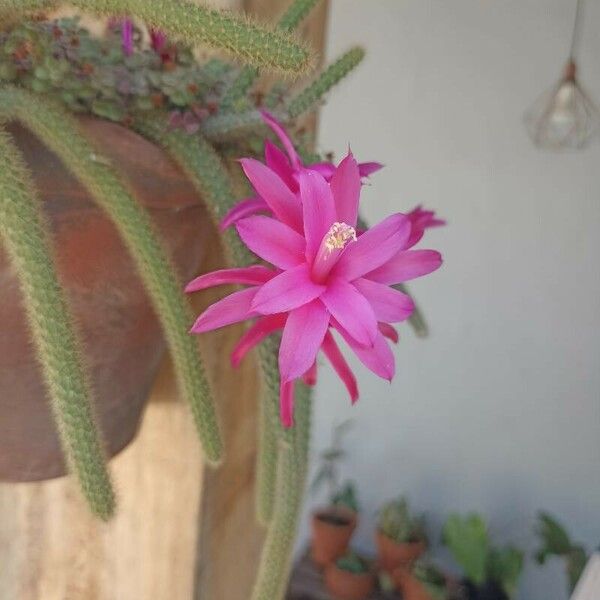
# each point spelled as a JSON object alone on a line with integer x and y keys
{"x": 60, "y": 132}
{"x": 25, "y": 235}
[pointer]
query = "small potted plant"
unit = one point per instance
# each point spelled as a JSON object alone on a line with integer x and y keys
{"x": 490, "y": 573}
{"x": 400, "y": 537}
{"x": 350, "y": 577}
{"x": 333, "y": 524}
{"x": 555, "y": 541}
{"x": 423, "y": 582}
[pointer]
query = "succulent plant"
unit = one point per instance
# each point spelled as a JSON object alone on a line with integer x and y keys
{"x": 353, "y": 563}
{"x": 396, "y": 522}
{"x": 346, "y": 497}
{"x": 432, "y": 578}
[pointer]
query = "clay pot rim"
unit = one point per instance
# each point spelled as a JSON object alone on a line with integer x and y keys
{"x": 328, "y": 510}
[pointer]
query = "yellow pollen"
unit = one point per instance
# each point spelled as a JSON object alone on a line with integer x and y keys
{"x": 339, "y": 235}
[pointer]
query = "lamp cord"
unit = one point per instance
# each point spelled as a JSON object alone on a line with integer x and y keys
{"x": 576, "y": 29}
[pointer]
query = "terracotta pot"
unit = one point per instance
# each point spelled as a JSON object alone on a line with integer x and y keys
{"x": 345, "y": 585}
{"x": 331, "y": 533}
{"x": 392, "y": 555}
{"x": 410, "y": 587}
{"x": 120, "y": 334}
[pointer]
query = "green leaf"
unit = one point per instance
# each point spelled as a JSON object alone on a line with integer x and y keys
{"x": 505, "y": 567}
{"x": 468, "y": 541}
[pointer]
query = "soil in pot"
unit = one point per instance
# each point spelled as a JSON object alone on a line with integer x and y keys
{"x": 392, "y": 555}
{"x": 332, "y": 529}
{"x": 345, "y": 585}
{"x": 120, "y": 335}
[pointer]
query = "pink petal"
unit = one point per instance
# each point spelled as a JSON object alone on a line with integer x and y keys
{"x": 231, "y": 309}
{"x": 279, "y": 131}
{"x": 406, "y": 265}
{"x": 286, "y": 403}
{"x": 345, "y": 185}
{"x": 389, "y": 332}
{"x": 242, "y": 209}
{"x": 302, "y": 337}
{"x": 272, "y": 240}
{"x": 270, "y": 187}
{"x": 277, "y": 161}
{"x": 351, "y": 309}
{"x": 287, "y": 291}
{"x": 253, "y": 275}
{"x": 373, "y": 248}
{"x": 378, "y": 359}
{"x": 326, "y": 169}
{"x": 318, "y": 210}
{"x": 341, "y": 367}
{"x": 310, "y": 377}
{"x": 388, "y": 304}
{"x": 256, "y": 334}
{"x": 368, "y": 168}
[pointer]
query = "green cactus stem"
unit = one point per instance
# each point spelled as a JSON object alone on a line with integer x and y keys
{"x": 197, "y": 25}
{"x": 60, "y": 132}
{"x": 25, "y": 235}
{"x": 236, "y": 94}
{"x": 315, "y": 91}
{"x": 205, "y": 169}
{"x": 276, "y": 559}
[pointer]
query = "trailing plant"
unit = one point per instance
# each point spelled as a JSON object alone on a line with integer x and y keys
{"x": 555, "y": 541}
{"x": 142, "y": 74}
{"x": 396, "y": 522}
{"x": 489, "y": 571}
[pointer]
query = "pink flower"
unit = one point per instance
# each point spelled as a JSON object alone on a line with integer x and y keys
{"x": 422, "y": 220}
{"x": 323, "y": 277}
{"x": 287, "y": 167}
{"x": 158, "y": 39}
{"x": 127, "y": 36}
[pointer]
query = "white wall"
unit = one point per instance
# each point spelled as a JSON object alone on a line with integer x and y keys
{"x": 499, "y": 410}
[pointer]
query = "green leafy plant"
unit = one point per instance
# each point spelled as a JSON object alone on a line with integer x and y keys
{"x": 468, "y": 540}
{"x": 353, "y": 563}
{"x": 396, "y": 522}
{"x": 200, "y": 113}
{"x": 555, "y": 541}
{"x": 346, "y": 497}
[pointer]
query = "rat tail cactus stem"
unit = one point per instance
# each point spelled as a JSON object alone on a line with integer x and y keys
{"x": 238, "y": 90}
{"x": 24, "y": 233}
{"x": 276, "y": 559}
{"x": 59, "y": 131}
{"x": 206, "y": 171}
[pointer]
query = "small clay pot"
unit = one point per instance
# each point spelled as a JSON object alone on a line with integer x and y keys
{"x": 392, "y": 555}
{"x": 344, "y": 585}
{"x": 332, "y": 529}
{"x": 410, "y": 587}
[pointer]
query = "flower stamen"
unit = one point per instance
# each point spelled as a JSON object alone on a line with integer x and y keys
{"x": 332, "y": 246}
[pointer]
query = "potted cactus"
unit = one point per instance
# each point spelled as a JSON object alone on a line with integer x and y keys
{"x": 333, "y": 525}
{"x": 116, "y": 159}
{"x": 490, "y": 573}
{"x": 400, "y": 536}
{"x": 350, "y": 577}
{"x": 424, "y": 581}
{"x": 555, "y": 541}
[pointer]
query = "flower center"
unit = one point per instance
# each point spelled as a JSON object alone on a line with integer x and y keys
{"x": 332, "y": 246}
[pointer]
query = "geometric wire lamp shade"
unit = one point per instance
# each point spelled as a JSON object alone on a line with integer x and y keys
{"x": 564, "y": 117}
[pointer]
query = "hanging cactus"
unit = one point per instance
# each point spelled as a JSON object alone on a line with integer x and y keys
{"x": 24, "y": 233}
{"x": 58, "y": 130}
